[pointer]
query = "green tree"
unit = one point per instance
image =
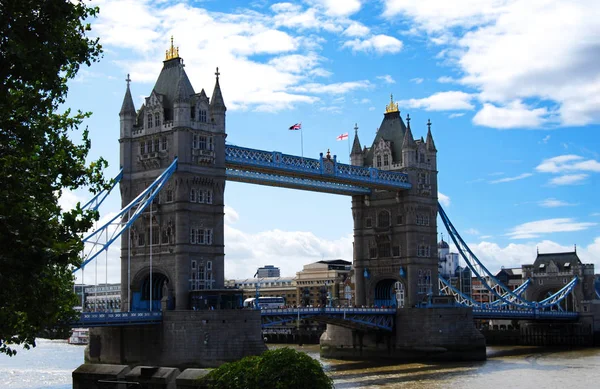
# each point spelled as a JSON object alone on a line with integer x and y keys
{"x": 43, "y": 43}
{"x": 283, "y": 368}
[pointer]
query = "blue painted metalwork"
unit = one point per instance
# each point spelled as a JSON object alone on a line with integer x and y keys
{"x": 498, "y": 289}
{"x": 529, "y": 313}
{"x": 123, "y": 219}
{"x": 329, "y": 170}
{"x": 104, "y": 319}
{"x": 97, "y": 200}
{"x": 374, "y": 318}
{"x": 295, "y": 182}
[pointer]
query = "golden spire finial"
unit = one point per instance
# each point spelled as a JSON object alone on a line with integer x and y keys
{"x": 392, "y": 107}
{"x": 172, "y": 52}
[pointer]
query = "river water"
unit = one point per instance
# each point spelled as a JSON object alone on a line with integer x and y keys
{"x": 49, "y": 366}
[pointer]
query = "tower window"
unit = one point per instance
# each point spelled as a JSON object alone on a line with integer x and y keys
{"x": 142, "y": 147}
{"x": 399, "y": 219}
{"x": 156, "y": 145}
{"x": 149, "y": 124}
{"x": 368, "y": 222}
{"x": 386, "y": 161}
{"x": 169, "y": 195}
{"x": 202, "y": 143}
{"x": 379, "y": 161}
{"x": 163, "y": 143}
{"x": 202, "y": 115}
{"x": 157, "y": 119}
{"x": 373, "y": 252}
{"x": 209, "y": 197}
{"x": 396, "y": 251}
{"x": 192, "y": 195}
{"x": 383, "y": 219}
{"x": 384, "y": 250}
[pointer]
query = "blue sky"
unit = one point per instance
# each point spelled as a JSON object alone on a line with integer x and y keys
{"x": 512, "y": 89}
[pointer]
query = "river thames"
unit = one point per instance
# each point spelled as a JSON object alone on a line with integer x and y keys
{"x": 49, "y": 366}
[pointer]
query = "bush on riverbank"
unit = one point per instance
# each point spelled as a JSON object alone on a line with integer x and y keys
{"x": 273, "y": 369}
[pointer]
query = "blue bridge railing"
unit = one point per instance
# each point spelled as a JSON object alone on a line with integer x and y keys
{"x": 374, "y": 318}
{"x": 102, "y": 319}
{"x": 240, "y": 161}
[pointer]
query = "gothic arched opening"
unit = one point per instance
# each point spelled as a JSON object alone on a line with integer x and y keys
{"x": 566, "y": 304}
{"x": 149, "y": 293}
{"x": 385, "y": 293}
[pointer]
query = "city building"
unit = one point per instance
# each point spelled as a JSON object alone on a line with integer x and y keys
{"x": 268, "y": 271}
{"x": 266, "y": 287}
{"x": 106, "y": 298}
{"x": 449, "y": 268}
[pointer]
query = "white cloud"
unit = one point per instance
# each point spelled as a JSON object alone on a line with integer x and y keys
{"x": 456, "y": 115}
{"x": 513, "y": 115}
{"x": 278, "y": 48}
{"x": 380, "y": 44}
{"x": 546, "y": 139}
{"x": 284, "y": 249}
{"x": 548, "y": 226}
{"x": 68, "y": 200}
{"x": 508, "y": 58}
{"x": 336, "y": 88}
{"x": 356, "y": 29}
{"x": 443, "y": 199}
{"x": 509, "y": 179}
{"x": 387, "y": 78}
{"x": 568, "y": 179}
{"x": 231, "y": 216}
{"x": 417, "y": 80}
{"x": 446, "y": 80}
{"x": 442, "y": 101}
{"x": 568, "y": 163}
{"x": 472, "y": 231}
{"x": 494, "y": 256}
{"x": 339, "y": 7}
{"x": 553, "y": 203}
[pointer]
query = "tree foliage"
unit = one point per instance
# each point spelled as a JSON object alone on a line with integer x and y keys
{"x": 42, "y": 45}
{"x": 282, "y": 368}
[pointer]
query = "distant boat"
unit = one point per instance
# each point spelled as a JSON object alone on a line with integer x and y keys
{"x": 79, "y": 336}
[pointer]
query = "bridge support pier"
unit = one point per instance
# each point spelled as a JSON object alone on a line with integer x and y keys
{"x": 183, "y": 339}
{"x": 421, "y": 334}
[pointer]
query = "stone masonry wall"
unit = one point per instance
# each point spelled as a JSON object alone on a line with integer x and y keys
{"x": 184, "y": 339}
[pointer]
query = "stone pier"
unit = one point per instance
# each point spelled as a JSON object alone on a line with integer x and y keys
{"x": 421, "y": 334}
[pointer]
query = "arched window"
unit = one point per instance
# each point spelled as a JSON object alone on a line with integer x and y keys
{"x": 157, "y": 119}
{"x": 386, "y": 160}
{"x": 149, "y": 124}
{"x": 379, "y": 161}
{"x": 383, "y": 219}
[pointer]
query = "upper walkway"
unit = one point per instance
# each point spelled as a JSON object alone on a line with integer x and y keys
{"x": 325, "y": 174}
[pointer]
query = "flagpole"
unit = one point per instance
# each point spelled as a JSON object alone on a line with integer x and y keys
{"x": 301, "y": 142}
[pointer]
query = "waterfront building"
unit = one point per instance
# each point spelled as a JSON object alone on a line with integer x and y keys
{"x": 552, "y": 271}
{"x": 266, "y": 287}
{"x": 449, "y": 268}
{"x": 106, "y": 298}
{"x": 325, "y": 283}
{"x": 268, "y": 271}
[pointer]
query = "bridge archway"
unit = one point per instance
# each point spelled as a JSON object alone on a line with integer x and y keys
{"x": 141, "y": 297}
{"x": 567, "y": 304}
{"x": 389, "y": 292}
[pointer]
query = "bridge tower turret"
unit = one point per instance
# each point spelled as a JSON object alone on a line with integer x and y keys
{"x": 395, "y": 259}
{"x": 180, "y": 237}
{"x": 356, "y": 155}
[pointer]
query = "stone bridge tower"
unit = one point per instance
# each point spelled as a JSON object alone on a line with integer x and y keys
{"x": 395, "y": 233}
{"x": 181, "y": 237}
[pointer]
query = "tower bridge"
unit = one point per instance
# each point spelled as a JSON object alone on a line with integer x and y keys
{"x": 175, "y": 163}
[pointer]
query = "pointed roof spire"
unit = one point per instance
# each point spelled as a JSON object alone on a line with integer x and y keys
{"x": 356, "y": 149}
{"x": 408, "y": 141}
{"x": 429, "y": 142}
{"x": 127, "y": 106}
{"x": 216, "y": 100}
{"x": 392, "y": 107}
{"x": 181, "y": 93}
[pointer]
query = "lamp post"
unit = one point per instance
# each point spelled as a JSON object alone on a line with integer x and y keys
{"x": 256, "y": 305}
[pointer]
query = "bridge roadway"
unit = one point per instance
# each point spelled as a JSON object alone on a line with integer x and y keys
{"x": 355, "y": 318}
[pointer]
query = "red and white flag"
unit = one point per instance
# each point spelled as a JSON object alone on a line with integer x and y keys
{"x": 296, "y": 126}
{"x": 343, "y": 136}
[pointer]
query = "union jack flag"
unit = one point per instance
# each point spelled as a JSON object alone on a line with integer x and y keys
{"x": 296, "y": 126}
